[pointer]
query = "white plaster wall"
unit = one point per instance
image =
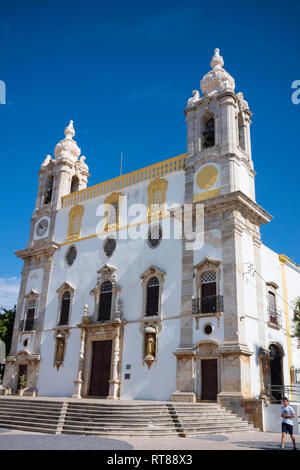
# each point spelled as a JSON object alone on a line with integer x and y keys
{"x": 293, "y": 291}
{"x": 244, "y": 183}
{"x": 218, "y": 331}
{"x": 271, "y": 271}
{"x": 35, "y": 280}
{"x": 53, "y": 382}
{"x": 158, "y": 382}
{"x": 212, "y": 247}
{"x": 272, "y": 418}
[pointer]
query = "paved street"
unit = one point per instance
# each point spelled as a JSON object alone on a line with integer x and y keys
{"x": 18, "y": 440}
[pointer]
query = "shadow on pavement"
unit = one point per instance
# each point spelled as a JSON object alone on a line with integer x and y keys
{"x": 13, "y": 441}
{"x": 215, "y": 437}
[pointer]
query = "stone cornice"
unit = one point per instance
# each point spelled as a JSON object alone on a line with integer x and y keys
{"x": 47, "y": 248}
{"x": 238, "y": 200}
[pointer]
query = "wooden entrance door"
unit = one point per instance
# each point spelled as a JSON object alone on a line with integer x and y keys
{"x": 100, "y": 371}
{"x": 209, "y": 379}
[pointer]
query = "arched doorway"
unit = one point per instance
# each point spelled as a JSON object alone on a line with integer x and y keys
{"x": 276, "y": 355}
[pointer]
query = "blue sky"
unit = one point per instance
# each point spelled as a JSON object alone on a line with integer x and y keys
{"x": 123, "y": 71}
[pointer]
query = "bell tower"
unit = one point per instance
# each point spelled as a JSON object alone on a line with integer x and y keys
{"x": 62, "y": 175}
{"x": 219, "y": 175}
{"x": 218, "y": 131}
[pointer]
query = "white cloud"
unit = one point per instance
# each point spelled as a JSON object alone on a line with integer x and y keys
{"x": 9, "y": 291}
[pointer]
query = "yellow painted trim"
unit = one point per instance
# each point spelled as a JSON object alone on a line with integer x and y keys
{"x": 207, "y": 177}
{"x": 116, "y": 184}
{"x": 94, "y": 235}
{"x": 206, "y": 195}
{"x": 283, "y": 259}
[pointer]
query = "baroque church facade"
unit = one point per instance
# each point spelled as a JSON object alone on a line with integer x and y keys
{"x": 104, "y": 314}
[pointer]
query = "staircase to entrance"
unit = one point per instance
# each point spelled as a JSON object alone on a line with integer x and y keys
{"x": 104, "y": 418}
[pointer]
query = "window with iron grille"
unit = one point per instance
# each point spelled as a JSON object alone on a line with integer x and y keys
{"x": 109, "y": 246}
{"x": 152, "y": 297}
{"x": 65, "y": 308}
{"x": 105, "y": 301}
{"x": 272, "y": 307}
{"x": 71, "y": 255}
{"x": 154, "y": 235}
{"x": 208, "y": 292}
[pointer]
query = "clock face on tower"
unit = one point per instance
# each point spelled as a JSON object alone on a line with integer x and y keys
{"x": 42, "y": 227}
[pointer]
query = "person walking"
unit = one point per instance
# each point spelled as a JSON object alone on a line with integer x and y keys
{"x": 287, "y": 414}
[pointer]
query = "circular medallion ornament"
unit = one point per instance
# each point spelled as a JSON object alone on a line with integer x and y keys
{"x": 42, "y": 227}
{"x": 207, "y": 177}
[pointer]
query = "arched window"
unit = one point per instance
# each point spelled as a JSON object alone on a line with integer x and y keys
{"x": 208, "y": 292}
{"x": 65, "y": 308}
{"x": 157, "y": 191}
{"x": 49, "y": 190}
{"x": 29, "y": 322}
{"x": 152, "y": 302}
{"x": 75, "y": 219}
{"x": 241, "y": 131}
{"x": 74, "y": 184}
{"x": 105, "y": 301}
{"x": 209, "y": 133}
{"x": 112, "y": 211}
{"x": 272, "y": 307}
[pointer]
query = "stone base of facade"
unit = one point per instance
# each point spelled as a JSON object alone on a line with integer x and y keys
{"x": 248, "y": 408}
{"x": 30, "y": 392}
{"x": 184, "y": 397}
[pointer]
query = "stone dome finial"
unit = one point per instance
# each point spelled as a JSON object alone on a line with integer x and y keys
{"x": 217, "y": 79}
{"x": 67, "y": 148}
{"x": 69, "y": 131}
{"x": 217, "y": 60}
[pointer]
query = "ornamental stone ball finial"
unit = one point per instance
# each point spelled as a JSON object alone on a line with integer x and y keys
{"x": 67, "y": 148}
{"x": 217, "y": 60}
{"x": 69, "y": 131}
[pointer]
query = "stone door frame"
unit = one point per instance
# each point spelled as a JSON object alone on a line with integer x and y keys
{"x": 206, "y": 350}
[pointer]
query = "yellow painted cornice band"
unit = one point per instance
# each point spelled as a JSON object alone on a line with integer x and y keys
{"x": 283, "y": 258}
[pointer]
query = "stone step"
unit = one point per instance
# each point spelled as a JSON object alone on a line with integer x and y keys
{"x": 31, "y": 423}
{"x": 119, "y": 408}
{"x": 30, "y": 412}
{"x": 124, "y": 428}
{"x": 25, "y": 402}
{"x": 209, "y": 432}
{"x": 193, "y": 422}
{"x": 27, "y": 417}
{"x": 25, "y": 427}
{"x": 139, "y": 419}
{"x": 28, "y": 407}
{"x": 123, "y": 434}
{"x": 119, "y": 431}
{"x": 117, "y": 414}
